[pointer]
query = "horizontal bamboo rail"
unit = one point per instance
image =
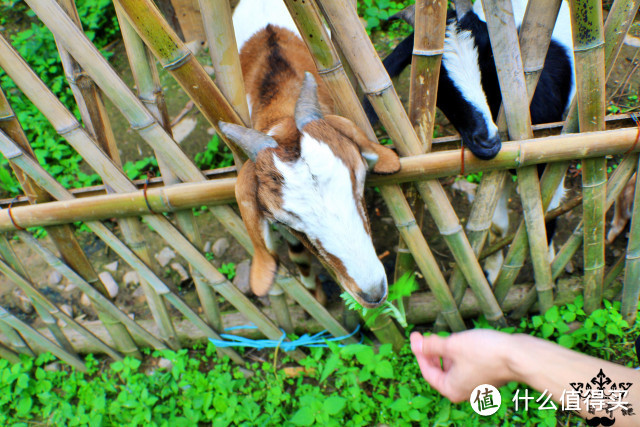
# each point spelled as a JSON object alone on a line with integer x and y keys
{"x": 221, "y": 191}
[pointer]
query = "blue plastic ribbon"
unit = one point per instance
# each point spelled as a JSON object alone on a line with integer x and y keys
{"x": 318, "y": 340}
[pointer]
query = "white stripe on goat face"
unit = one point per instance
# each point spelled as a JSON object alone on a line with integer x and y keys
{"x": 319, "y": 201}
{"x": 460, "y": 57}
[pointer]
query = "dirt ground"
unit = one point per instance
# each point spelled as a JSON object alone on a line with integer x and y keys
{"x": 622, "y": 90}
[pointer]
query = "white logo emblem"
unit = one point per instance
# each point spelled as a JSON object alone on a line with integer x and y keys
{"x": 485, "y": 400}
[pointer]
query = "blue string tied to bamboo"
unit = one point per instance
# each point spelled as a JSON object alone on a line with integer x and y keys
{"x": 318, "y": 340}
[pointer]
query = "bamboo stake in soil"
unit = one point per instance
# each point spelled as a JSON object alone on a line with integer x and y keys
{"x": 63, "y": 236}
{"x": 100, "y": 300}
{"x": 504, "y": 44}
{"x": 216, "y": 17}
{"x": 376, "y": 83}
{"x": 588, "y": 40}
{"x": 631, "y": 289}
{"x": 35, "y": 336}
{"x": 94, "y": 114}
{"x": 150, "y": 92}
{"x": 615, "y": 31}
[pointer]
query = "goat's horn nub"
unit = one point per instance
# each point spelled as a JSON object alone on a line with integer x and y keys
{"x": 307, "y": 106}
{"x": 250, "y": 140}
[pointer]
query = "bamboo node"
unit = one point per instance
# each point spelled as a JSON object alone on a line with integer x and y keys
{"x": 69, "y": 129}
{"x": 630, "y": 257}
{"x": 275, "y": 291}
{"x": 12, "y": 152}
{"x": 482, "y": 226}
{"x": 144, "y": 125}
{"x": 177, "y": 63}
{"x": 336, "y": 67}
{"x": 9, "y": 116}
{"x": 588, "y": 47}
{"x": 596, "y": 267}
{"x": 406, "y": 224}
{"x": 512, "y": 266}
{"x": 427, "y": 52}
{"x": 595, "y": 184}
{"x": 452, "y": 231}
{"x": 378, "y": 92}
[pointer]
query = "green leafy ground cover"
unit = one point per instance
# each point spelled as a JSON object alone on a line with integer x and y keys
{"x": 351, "y": 386}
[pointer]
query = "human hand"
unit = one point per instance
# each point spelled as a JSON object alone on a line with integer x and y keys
{"x": 470, "y": 358}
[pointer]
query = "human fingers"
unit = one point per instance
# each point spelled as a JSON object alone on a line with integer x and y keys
{"x": 428, "y": 351}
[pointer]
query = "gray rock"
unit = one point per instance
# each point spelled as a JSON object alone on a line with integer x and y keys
{"x": 67, "y": 309}
{"x": 110, "y": 283}
{"x": 178, "y": 268}
{"x": 207, "y": 246}
{"x": 220, "y": 247}
{"x": 70, "y": 287}
{"x": 164, "y": 363}
{"x": 241, "y": 281}
{"x": 112, "y": 267}
{"x": 22, "y": 301}
{"x": 54, "y": 278}
{"x": 52, "y": 367}
{"x": 165, "y": 256}
{"x": 131, "y": 278}
{"x": 84, "y": 300}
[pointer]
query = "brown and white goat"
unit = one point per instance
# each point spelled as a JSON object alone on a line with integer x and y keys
{"x": 307, "y": 167}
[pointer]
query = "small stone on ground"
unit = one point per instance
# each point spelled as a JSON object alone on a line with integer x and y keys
{"x": 112, "y": 267}
{"x": 131, "y": 278}
{"x": 54, "y": 278}
{"x": 165, "y": 256}
{"x": 110, "y": 283}
{"x": 220, "y": 247}
{"x": 178, "y": 268}
{"x": 241, "y": 281}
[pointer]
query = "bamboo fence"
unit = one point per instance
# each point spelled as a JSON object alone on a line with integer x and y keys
{"x": 166, "y": 205}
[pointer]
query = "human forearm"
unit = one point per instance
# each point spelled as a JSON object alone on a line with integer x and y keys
{"x": 546, "y": 366}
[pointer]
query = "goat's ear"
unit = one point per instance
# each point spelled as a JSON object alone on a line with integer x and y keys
{"x": 381, "y": 160}
{"x": 265, "y": 261}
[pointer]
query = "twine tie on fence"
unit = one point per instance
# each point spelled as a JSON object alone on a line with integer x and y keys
{"x": 318, "y": 340}
{"x": 13, "y": 221}
{"x": 634, "y": 117}
{"x": 144, "y": 193}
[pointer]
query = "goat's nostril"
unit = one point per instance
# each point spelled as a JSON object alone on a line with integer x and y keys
{"x": 376, "y": 297}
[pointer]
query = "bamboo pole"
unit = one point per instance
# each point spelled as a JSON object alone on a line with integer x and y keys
{"x": 63, "y": 236}
{"x": 616, "y": 27}
{"x": 150, "y": 92}
{"x": 218, "y": 27}
{"x": 376, "y": 84}
{"x": 10, "y": 355}
{"x": 430, "y": 26}
{"x": 331, "y": 71}
{"x": 55, "y": 313}
{"x": 42, "y": 308}
{"x": 10, "y": 150}
{"x": 221, "y": 191}
{"x": 504, "y": 44}
{"x": 15, "y": 340}
{"x": 199, "y": 87}
{"x": 29, "y": 332}
{"x": 100, "y": 300}
{"x": 178, "y": 60}
{"x": 99, "y": 127}
{"x": 588, "y": 40}
{"x": 631, "y": 288}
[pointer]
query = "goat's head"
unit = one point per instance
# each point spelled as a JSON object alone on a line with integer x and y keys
{"x": 308, "y": 173}
{"x": 461, "y": 95}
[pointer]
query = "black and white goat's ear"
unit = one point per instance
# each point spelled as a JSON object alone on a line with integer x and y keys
{"x": 380, "y": 159}
{"x": 265, "y": 262}
{"x": 250, "y": 140}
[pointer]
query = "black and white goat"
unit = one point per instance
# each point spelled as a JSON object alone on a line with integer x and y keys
{"x": 469, "y": 92}
{"x": 307, "y": 167}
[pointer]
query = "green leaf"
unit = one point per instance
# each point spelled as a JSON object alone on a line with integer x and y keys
{"x": 334, "y": 404}
{"x": 329, "y": 367}
{"x": 552, "y": 315}
{"x": 566, "y": 341}
{"x": 400, "y": 405}
{"x": 304, "y": 417}
{"x": 384, "y": 369}
{"x": 365, "y": 355}
{"x": 547, "y": 330}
